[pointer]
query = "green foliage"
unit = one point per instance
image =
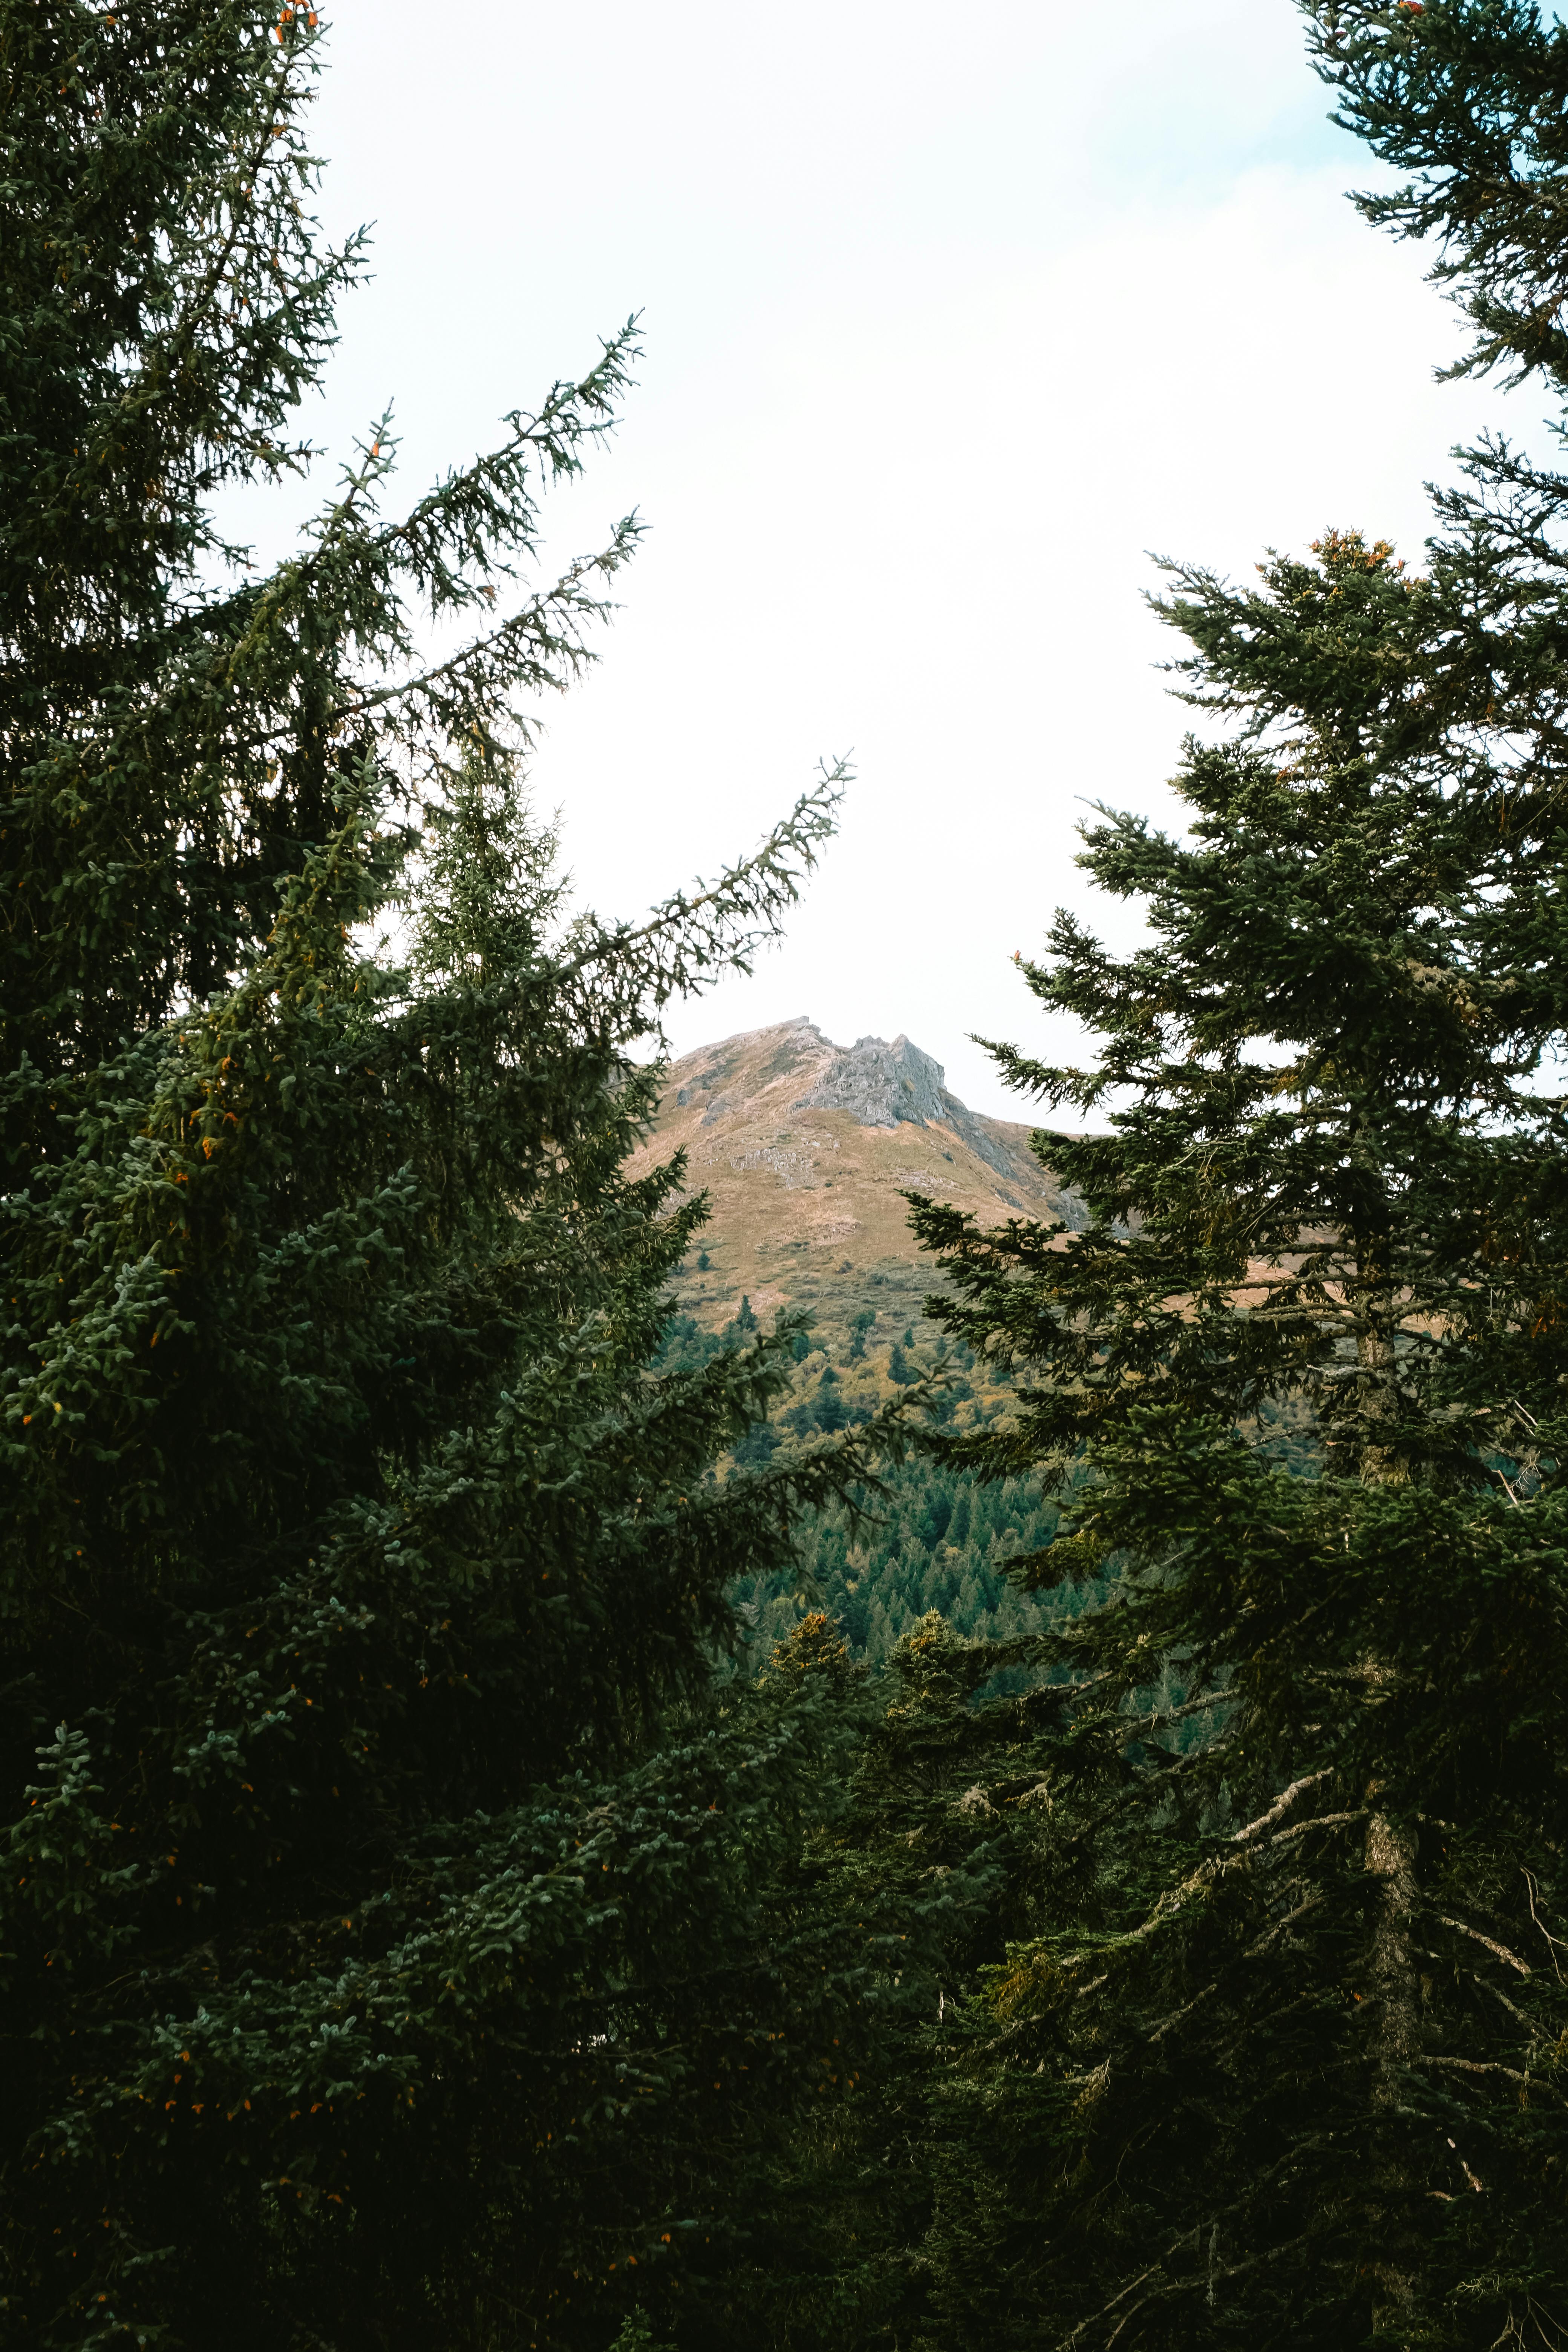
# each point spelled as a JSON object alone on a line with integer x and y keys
{"x": 929, "y": 1538}
{"x": 1129, "y": 1907}
{"x": 1267, "y": 2048}
{"x": 1262, "y": 2031}
{"x": 403, "y": 1934}
{"x": 930, "y": 1872}
{"x": 1270, "y": 2025}
{"x": 637, "y": 2335}
{"x": 1464, "y": 97}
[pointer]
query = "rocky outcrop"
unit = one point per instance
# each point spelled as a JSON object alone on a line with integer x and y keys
{"x": 882, "y": 1084}
{"x": 806, "y": 1149}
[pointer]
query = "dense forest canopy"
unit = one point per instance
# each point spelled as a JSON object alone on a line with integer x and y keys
{"x": 1277, "y": 2061}
{"x": 438, "y": 1912}
{"x": 397, "y": 1940}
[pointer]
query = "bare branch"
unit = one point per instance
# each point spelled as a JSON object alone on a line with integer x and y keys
{"x": 1163, "y": 1715}
{"x": 1320, "y": 1821}
{"x": 1278, "y": 1809}
{"x": 1260, "y": 1944}
{"x": 1483, "y": 2066}
{"x": 1171, "y": 2022}
{"x": 1178, "y": 2286}
{"x": 1553, "y": 1943}
{"x": 1501, "y": 1950}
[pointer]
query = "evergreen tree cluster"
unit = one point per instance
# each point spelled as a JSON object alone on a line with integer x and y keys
{"x": 931, "y": 1537}
{"x": 395, "y": 1944}
{"x": 1279, "y": 2059}
{"x": 928, "y": 1536}
{"x": 529, "y": 1822}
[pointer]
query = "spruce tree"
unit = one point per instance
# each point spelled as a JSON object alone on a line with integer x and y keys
{"x": 930, "y": 1872}
{"x": 1279, "y": 2062}
{"x": 1272, "y": 2055}
{"x": 397, "y": 1945}
{"x": 1275, "y": 2056}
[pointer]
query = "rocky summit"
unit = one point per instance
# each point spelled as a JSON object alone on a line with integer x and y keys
{"x": 806, "y": 1149}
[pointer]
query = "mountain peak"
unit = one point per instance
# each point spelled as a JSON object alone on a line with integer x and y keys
{"x": 805, "y": 1149}
{"x": 881, "y": 1085}
{"x": 897, "y": 1084}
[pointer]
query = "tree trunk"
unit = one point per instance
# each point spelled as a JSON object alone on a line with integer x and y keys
{"x": 1391, "y": 1858}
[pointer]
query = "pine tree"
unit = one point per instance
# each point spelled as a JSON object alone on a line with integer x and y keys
{"x": 1278, "y": 2063}
{"x": 397, "y": 1939}
{"x": 928, "y": 1871}
{"x": 1274, "y": 2057}
{"x": 1281, "y": 2061}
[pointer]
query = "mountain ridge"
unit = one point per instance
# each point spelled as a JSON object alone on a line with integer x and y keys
{"x": 805, "y": 1149}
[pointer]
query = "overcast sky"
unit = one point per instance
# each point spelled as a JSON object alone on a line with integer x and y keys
{"x": 952, "y": 315}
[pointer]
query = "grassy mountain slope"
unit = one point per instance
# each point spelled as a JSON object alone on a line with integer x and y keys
{"x": 804, "y": 1150}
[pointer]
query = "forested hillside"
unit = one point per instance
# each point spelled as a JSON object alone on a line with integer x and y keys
{"x": 804, "y": 1152}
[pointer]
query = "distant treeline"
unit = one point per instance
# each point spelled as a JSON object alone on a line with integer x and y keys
{"x": 928, "y": 1536}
